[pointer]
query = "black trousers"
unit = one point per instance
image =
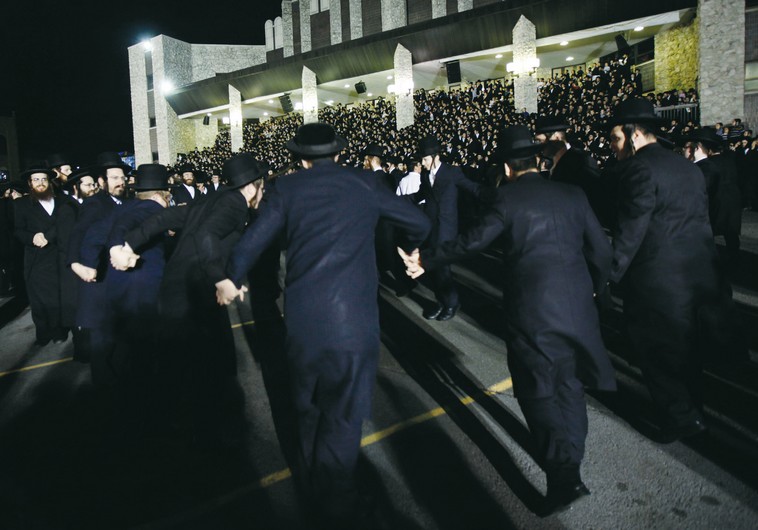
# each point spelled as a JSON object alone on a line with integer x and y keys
{"x": 558, "y": 425}
{"x": 444, "y": 287}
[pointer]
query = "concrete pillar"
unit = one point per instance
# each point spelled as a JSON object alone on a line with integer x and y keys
{"x": 143, "y": 153}
{"x": 335, "y": 21}
{"x": 722, "y": 60}
{"x": 235, "y": 119}
{"x": 310, "y": 96}
{"x": 305, "y": 25}
{"x": 394, "y": 14}
{"x": 524, "y": 53}
{"x": 288, "y": 42}
{"x": 404, "y": 107}
{"x": 465, "y": 5}
{"x": 356, "y": 19}
{"x": 269, "y": 30}
{"x": 439, "y": 8}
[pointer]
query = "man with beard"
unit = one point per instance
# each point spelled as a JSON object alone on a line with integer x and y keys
{"x": 43, "y": 223}
{"x": 186, "y": 193}
{"x": 665, "y": 260}
{"x": 91, "y": 340}
{"x": 82, "y": 185}
{"x": 61, "y": 165}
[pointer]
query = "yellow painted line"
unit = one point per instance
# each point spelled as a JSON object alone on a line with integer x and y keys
{"x": 373, "y": 438}
{"x": 241, "y": 324}
{"x": 35, "y": 366}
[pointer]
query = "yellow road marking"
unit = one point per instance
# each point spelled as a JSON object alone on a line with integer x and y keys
{"x": 35, "y": 366}
{"x": 370, "y": 439}
{"x": 248, "y": 323}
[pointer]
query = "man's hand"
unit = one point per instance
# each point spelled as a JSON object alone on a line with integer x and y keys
{"x": 87, "y": 274}
{"x": 39, "y": 240}
{"x": 123, "y": 257}
{"x": 412, "y": 262}
{"x": 226, "y": 291}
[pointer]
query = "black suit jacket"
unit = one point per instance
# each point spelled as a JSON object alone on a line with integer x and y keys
{"x": 328, "y": 216}
{"x": 555, "y": 256}
{"x": 182, "y": 195}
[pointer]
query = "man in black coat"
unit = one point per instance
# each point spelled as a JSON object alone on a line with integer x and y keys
{"x": 187, "y": 192}
{"x": 665, "y": 258}
{"x": 556, "y": 256}
{"x": 722, "y": 185}
{"x": 91, "y": 340}
{"x": 42, "y": 222}
{"x": 328, "y": 216}
{"x": 439, "y": 193}
{"x": 196, "y": 332}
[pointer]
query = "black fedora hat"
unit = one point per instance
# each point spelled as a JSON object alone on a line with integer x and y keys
{"x": 392, "y": 159}
{"x": 150, "y": 177}
{"x": 74, "y": 177}
{"x": 186, "y": 168}
{"x": 37, "y": 167}
{"x": 428, "y": 145}
{"x": 516, "y": 143}
{"x": 635, "y": 110}
{"x": 58, "y": 160}
{"x": 241, "y": 169}
{"x": 316, "y": 140}
{"x": 707, "y": 136}
{"x": 110, "y": 159}
{"x": 374, "y": 150}
{"x": 547, "y": 124}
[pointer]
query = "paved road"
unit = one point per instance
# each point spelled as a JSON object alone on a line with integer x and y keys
{"x": 446, "y": 448}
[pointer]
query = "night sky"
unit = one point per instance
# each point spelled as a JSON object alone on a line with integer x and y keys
{"x": 64, "y": 65}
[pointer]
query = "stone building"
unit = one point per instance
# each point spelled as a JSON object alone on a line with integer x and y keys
{"x": 325, "y": 52}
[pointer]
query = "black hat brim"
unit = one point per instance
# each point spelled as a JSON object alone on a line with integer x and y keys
{"x": 332, "y": 148}
{"x": 521, "y": 153}
{"x": 29, "y": 172}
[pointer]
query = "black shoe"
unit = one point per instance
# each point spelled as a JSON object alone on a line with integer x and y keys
{"x": 448, "y": 313}
{"x": 673, "y": 433}
{"x": 560, "y": 498}
{"x": 433, "y": 312}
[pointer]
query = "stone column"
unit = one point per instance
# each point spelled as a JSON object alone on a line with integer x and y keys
{"x": 404, "y": 107}
{"x": 172, "y": 66}
{"x": 465, "y": 5}
{"x": 356, "y": 19}
{"x": 143, "y": 153}
{"x": 524, "y": 51}
{"x": 439, "y": 8}
{"x": 235, "y": 119}
{"x": 305, "y": 25}
{"x": 289, "y": 42}
{"x": 335, "y": 21}
{"x": 394, "y": 14}
{"x": 310, "y": 96}
{"x": 722, "y": 60}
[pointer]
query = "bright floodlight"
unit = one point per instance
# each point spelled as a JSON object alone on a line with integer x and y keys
{"x": 499, "y": 56}
{"x": 569, "y": 58}
{"x": 639, "y": 28}
{"x": 147, "y": 45}
{"x": 167, "y": 86}
{"x": 564, "y": 43}
{"x": 298, "y": 106}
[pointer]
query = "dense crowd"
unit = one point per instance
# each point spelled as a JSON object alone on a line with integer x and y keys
{"x": 466, "y": 119}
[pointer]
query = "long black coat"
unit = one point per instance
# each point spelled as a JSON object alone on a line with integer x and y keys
{"x": 44, "y": 267}
{"x": 441, "y": 201}
{"x": 663, "y": 247}
{"x": 724, "y": 196}
{"x": 556, "y": 256}
{"x": 328, "y": 215}
{"x": 182, "y": 196}
{"x": 577, "y": 167}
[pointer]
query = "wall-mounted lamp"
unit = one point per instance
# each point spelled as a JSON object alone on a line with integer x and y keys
{"x": 518, "y": 68}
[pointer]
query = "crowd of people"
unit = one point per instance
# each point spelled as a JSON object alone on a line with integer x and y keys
{"x": 137, "y": 266}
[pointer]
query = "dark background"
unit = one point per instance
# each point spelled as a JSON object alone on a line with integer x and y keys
{"x": 64, "y": 65}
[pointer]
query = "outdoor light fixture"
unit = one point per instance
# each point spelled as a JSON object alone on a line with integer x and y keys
{"x": 499, "y": 56}
{"x": 167, "y": 86}
{"x": 369, "y": 94}
{"x": 389, "y": 77}
{"x": 225, "y": 120}
{"x": 639, "y": 28}
{"x": 347, "y": 85}
{"x": 298, "y": 106}
{"x": 564, "y": 43}
{"x": 400, "y": 88}
{"x": 271, "y": 101}
{"x": 518, "y": 68}
{"x": 329, "y": 102}
{"x": 570, "y": 58}
{"x": 147, "y": 45}
{"x": 265, "y": 113}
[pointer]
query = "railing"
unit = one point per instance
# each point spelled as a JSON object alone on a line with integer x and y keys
{"x": 681, "y": 113}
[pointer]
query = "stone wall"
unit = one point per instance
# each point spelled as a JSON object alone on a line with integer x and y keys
{"x": 172, "y": 62}
{"x": 419, "y": 10}
{"x": 394, "y": 14}
{"x": 287, "y": 28}
{"x": 205, "y": 135}
{"x": 335, "y": 20}
{"x": 211, "y": 59}
{"x": 356, "y": 19}
{"x": 676, "y": 57}
{"x": 305, "y": 25}
{"x": 140, "y": 105}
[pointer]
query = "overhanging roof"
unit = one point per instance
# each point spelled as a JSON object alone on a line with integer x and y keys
{"x": 456, "y": 34}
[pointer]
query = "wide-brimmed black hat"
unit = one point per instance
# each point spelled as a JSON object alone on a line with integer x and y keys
{"x": 149, "y": 177}
{"x": 76, "y": 176}
{"x": 516, "y": 143}
{"x": 241, "y": 169}
{"x": 58, "y": 160}
{"x": 186, "y": 168}
{"x": 428, "y": 145}
{"x": 37, "y": 167}
{"x": 635, "y": 110}
{"x": 374, "y": 150}
{"x": 547, "y": 124}
{"x": 316, "y": 140}
{"x": 110, "y": 159}
{"x": 392, "y": 159}
{"x": 707, "y": 136}
{"x": 410, "y": 162}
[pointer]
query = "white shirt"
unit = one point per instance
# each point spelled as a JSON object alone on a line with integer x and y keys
{"x": 433, "y": 174}
{"x": 409, "y": 184}
{"x": 191, "y": 190}
{"x": 48, "y": 205}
